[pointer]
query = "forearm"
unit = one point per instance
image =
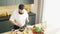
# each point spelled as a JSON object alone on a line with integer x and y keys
{"x": 13, "y": 23}
{"x": 27, "y": 20}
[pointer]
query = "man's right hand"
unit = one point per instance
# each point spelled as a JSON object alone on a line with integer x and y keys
{"x": 17, "y": 24}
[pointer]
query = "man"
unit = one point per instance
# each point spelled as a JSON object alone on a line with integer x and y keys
{"x": 19, "y": 17}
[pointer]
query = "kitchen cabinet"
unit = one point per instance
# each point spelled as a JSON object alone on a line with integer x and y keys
{"x": 5, "y": 26}
{"x": 3, "y": 2}
{"x": 32, "y": 18}
{"x": 14, "y": 2}
{"x": 10, "y": 2}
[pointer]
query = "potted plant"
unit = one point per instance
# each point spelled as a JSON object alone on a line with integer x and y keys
{"x": 37, "y": 30}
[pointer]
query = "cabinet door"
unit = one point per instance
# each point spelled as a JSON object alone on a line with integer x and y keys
{"x": 32, "y": 20}
{"x": 28, "y": 1}
{"x": 0, "y": 2}
{"x": 17, "y": 1}
{"x": 10, "y": 2}
{"x": 5, "y": 26}
{"x": 3, "y": 2}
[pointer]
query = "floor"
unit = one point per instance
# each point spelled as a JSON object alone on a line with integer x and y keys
{"x": 53, "y": 28}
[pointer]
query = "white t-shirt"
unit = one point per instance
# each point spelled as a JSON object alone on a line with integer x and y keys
{"x": 18, "y": 18}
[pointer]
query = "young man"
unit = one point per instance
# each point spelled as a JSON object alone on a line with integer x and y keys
{"x": 19, "y": 17}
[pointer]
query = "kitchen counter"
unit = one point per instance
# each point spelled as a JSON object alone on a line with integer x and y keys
{"x": 28, "y": 30}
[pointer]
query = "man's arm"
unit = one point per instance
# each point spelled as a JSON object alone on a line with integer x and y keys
{"x": 27, "y": 19}
{"x": 13, "y": 23}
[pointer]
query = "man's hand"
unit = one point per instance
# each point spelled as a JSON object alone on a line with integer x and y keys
{"x": 13, "y": 22}
{"x": 18, "y": 24}
{"x": 27, "y": 20}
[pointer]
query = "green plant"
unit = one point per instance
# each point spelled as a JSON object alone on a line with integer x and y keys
{"x": 37, "y": 29}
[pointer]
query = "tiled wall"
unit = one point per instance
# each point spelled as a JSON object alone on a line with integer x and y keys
{"x": 9, "y": 9}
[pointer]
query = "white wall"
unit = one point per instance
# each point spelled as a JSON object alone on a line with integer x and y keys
{"x": 51, "y": 14}
{"x": 51, "y": 11}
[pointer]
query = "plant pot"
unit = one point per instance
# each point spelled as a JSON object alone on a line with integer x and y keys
{"x": 34, "y": 32}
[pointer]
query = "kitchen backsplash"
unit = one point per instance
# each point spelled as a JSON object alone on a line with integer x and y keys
{"x": 6, "y": 10}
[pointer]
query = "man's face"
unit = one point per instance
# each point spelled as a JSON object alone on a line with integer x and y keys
{"x": 21, "y": 11}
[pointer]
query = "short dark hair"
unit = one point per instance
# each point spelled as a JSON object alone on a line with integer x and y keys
{"x": 21, "y": 6}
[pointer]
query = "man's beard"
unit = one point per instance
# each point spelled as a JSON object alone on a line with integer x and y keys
{"x": 20, "y": 13}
